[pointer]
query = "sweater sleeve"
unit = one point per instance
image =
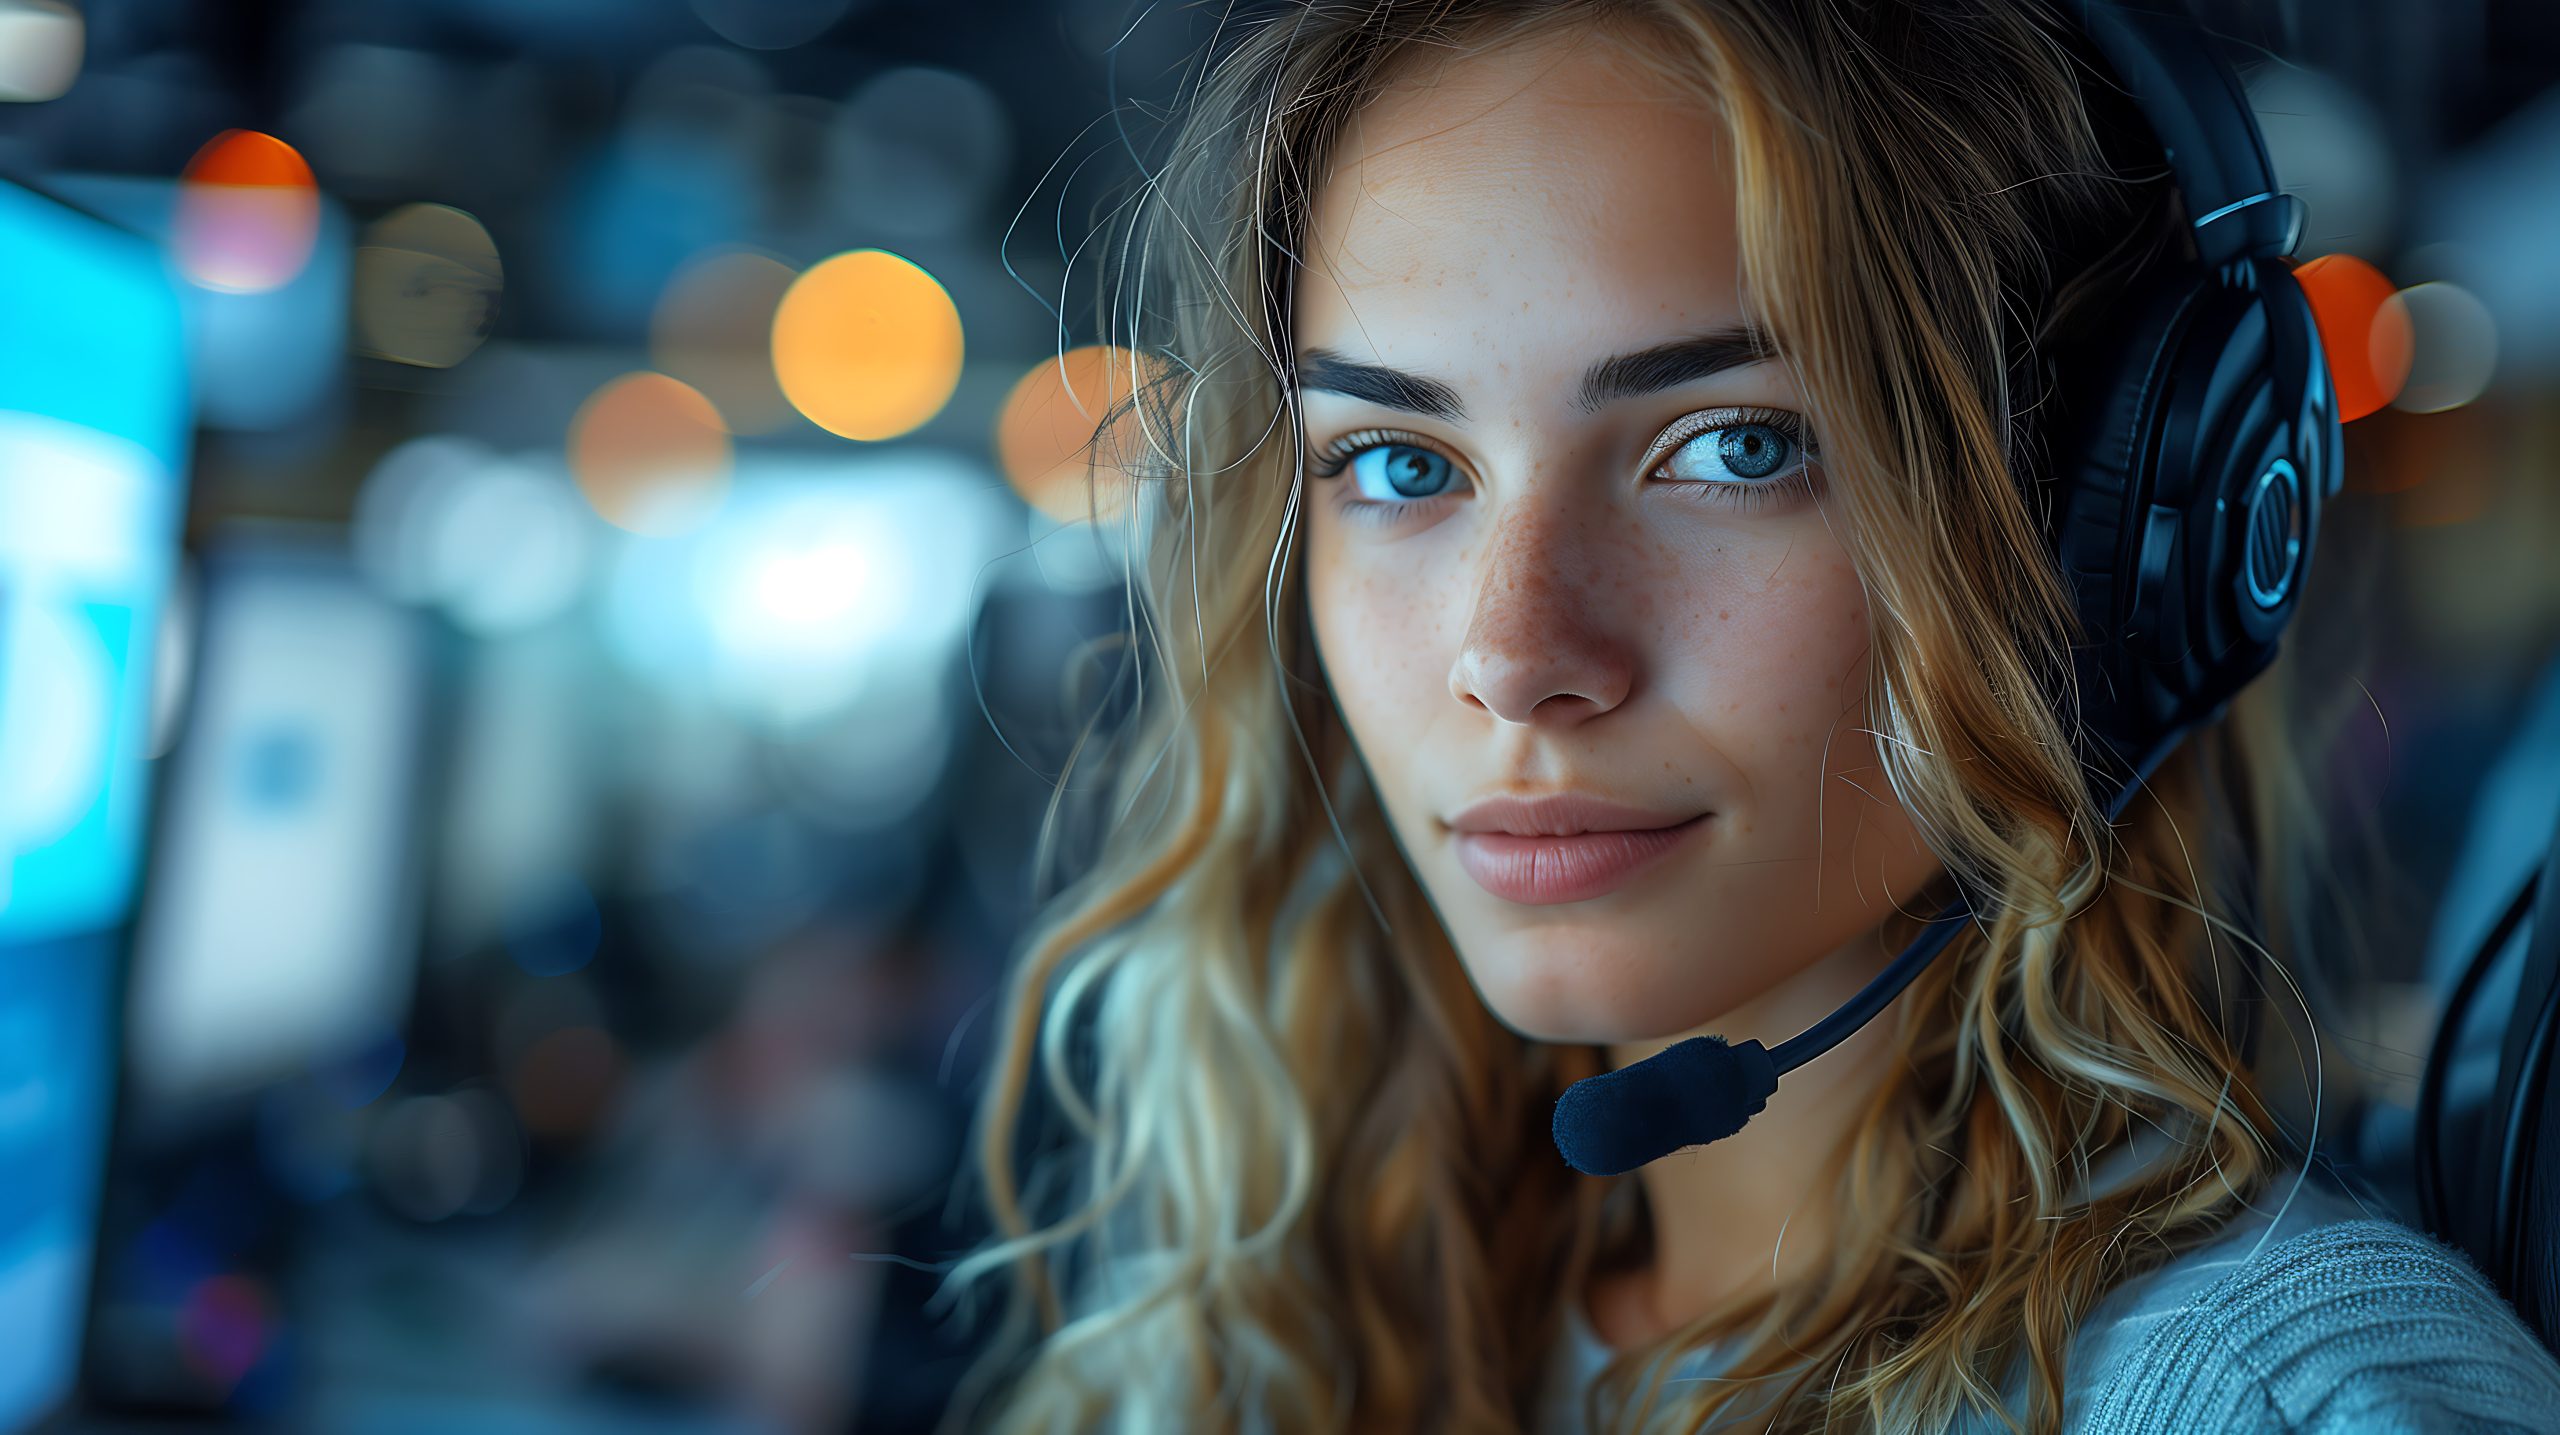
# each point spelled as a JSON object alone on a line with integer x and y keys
{"x": 2358, "y": 1325}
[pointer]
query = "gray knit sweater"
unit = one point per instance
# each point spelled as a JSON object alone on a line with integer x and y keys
{"x": 2307, "y": 1314}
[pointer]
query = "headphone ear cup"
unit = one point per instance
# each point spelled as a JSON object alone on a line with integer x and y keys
{"x": 2200, "y": 442}
{"x": 2110, "y": 391}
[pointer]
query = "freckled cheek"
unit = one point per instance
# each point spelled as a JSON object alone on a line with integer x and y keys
{"x": 1779, "y": 675}
{"x": 1385, "y": 631}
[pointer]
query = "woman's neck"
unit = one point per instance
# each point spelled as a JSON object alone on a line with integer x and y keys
{"x": 1752, "y": 1209}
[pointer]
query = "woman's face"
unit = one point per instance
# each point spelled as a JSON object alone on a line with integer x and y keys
{"x": 1576, "y": 551}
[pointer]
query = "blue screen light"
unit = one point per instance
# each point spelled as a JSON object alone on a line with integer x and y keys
{"x": 93, "y": 433}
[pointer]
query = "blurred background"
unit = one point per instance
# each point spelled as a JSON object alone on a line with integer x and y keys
{"x": 544, "y": 594}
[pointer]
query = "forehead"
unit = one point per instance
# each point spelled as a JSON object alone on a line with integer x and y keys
{"x": 1549, "y": 198}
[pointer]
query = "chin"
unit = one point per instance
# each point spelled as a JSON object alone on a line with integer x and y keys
{"x": 1580, "y": 1024}
{"x": 1569, "y": 988}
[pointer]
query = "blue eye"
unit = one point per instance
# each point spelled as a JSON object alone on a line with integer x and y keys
{"x": 1745, "y": 451}
{"x": 1738, "y": 460}
{"x": 1390, "y": 471}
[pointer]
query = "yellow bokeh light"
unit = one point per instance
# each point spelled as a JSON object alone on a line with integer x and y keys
{"x": 867, "y": 345}
{"x": 1050, "y": 434}
{"x": 651, "y": 454}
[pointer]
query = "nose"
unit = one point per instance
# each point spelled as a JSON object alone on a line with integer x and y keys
{"x": 1540, "y": 645}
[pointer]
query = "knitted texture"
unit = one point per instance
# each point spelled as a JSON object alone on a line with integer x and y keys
{"x": 2308, "y": 1315}
{"x": 2356, "y": 1326}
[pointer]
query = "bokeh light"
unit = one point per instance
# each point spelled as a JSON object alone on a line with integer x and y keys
{"x": 713, "y": 329}
{"x": 224, "y": 1327}
{"x": 651, "y": 454}
{"x": 434, "y": 1157}
{"x": 248, "y": 214}
{"x": 501, "y": 544}
{"x": 1049, "y": 433}
{"x": 666, "y": 190}
{"x": 867, "y": 345}
{"x": 2365, "y": 338}
{"x": 41, "y": 42}
{"x": 770, "y": 24}
{"x": 697, "y": 92}
{"x": 2454, "y": 346}
{"x": 810, "y": 586}
{"x": 821, "y": 583}
{"x": 395, "y": 510}
{"x": 376, "y": 119}
{"x": 564, "y": 1079}
{"x": 917, "y": 150}
{"x": 509, "y": 547}
{"x": 427, "y": 279}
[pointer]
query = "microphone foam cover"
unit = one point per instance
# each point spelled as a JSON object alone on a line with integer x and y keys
{"x": 1699, "y": 1091}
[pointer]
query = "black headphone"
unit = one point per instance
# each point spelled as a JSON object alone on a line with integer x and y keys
{"x": 2196, "y": 444}
{"x": 2510, "y": 1164}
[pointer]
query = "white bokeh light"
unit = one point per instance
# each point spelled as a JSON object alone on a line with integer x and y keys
{"x": 821, "y": 578}
{"x": 500, "y": 543}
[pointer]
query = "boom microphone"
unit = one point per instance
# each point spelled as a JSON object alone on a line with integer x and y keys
{"x": 1705, "y": 1089}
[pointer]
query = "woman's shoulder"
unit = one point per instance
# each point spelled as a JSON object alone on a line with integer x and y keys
{"x": 2311, "y": 1312}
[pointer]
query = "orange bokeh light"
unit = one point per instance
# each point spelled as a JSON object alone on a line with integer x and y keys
{"x": 1050, "y": 434}
{"x": 867, "y": 345}
{"x": 650, "y": 453}
{"x": 248, "y": 214}
{"x": 2365, "y": 336}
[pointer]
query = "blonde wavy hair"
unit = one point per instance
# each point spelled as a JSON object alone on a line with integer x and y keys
{"x": 1306, "y": 1181}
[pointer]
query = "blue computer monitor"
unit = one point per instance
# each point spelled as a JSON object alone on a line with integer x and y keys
{"x": 94, "y": 424}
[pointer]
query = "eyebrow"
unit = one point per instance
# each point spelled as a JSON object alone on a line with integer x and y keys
{"x": 1624, "y": 376}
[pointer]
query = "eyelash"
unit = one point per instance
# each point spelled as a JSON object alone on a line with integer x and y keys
{"x": 1330, "y": 460}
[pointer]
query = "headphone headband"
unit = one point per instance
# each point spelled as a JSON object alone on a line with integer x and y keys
{"x": 2189, "y": 95}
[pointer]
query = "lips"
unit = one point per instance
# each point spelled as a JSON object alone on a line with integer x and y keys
{"x": 1541, "y": 870}
{"x": 1562, "y": 814}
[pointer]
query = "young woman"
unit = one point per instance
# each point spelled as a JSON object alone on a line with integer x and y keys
{"x": 1619, "y": 417}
